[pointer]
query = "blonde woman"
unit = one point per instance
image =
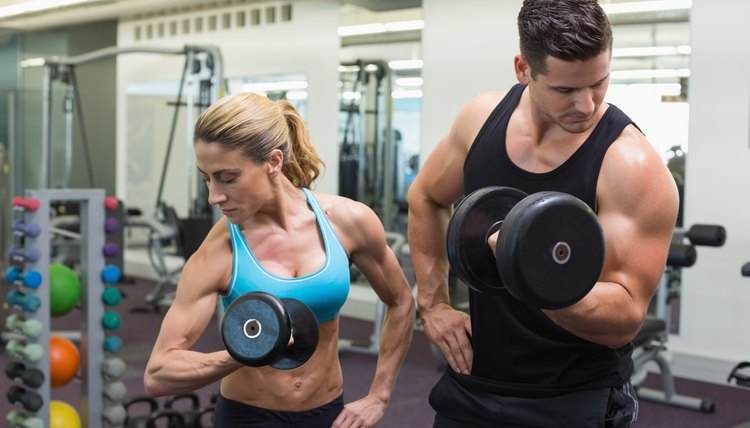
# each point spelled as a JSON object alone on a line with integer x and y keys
{"x": 280, "y": 237}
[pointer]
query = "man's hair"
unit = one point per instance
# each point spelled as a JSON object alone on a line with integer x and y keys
{"x": 565, "y": 29}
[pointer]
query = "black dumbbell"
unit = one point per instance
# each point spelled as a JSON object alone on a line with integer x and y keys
{"x": 257, "y": 327}
{"x": 550, "y": 250}
{"x": 29, "y": 376}
{"x": 189, "y": 414}
{"x": 29, "y": 400}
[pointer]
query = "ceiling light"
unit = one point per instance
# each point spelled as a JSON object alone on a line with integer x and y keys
{"x": 646, "y": 6}
{"x": 651, "y": 51}
{"x": 406, "y": 64}
{"x": 409, "y": 81}
{"x": 649, "y": 74}
{"x": 36, "y": 6}
{"x": 379, "y": 27}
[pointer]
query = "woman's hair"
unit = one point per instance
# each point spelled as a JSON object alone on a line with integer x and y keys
{"x": 569, "y": 30}
{"x": 256, "y": 125}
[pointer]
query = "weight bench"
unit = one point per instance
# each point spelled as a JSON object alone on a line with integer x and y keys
{"x": 652, "y": 339}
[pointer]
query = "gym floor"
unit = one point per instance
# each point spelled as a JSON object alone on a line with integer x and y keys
{"x": 409, "y": 406}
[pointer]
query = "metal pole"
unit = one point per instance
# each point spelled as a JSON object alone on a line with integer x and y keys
{"x": 44, "y": 181}
{"x": 388, "y": 151}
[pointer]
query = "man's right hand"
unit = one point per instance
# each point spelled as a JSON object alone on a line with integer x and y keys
{"x": 450, "y": 331}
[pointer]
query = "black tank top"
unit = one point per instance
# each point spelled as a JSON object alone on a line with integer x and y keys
{"x": 517, "y": 349}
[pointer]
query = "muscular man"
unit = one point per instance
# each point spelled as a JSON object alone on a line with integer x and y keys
{"x": 514, "y": 365}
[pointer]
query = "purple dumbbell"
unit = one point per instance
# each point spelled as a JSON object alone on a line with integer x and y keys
{"x": 31, "y": 230}
{"x": 111, "y": 224}
{"x": 31, "y": 255}
{"x": 110, "y": 250}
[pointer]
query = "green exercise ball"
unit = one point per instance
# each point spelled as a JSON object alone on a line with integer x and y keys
{"x": 64, "y": 289}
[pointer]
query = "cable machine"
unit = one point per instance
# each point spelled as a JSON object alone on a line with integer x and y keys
{"x": 202, "y": 83}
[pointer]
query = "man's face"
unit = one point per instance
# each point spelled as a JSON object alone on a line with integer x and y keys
{"x": 571, "y": 92}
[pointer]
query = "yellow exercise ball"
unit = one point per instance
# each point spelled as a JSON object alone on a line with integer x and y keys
{"x": 63, "y": 415}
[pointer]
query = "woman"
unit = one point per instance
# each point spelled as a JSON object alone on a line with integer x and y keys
{"x": 258, "y": 162}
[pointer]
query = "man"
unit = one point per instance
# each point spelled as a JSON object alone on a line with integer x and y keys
{"x": 514, "y": 365}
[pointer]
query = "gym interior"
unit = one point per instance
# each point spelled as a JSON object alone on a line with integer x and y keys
{"x": 97, "y": 103}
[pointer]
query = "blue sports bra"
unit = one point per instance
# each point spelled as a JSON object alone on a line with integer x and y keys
{"x": 324, "y": 291}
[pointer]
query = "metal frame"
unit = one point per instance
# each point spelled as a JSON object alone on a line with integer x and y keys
{"x": 92, "y": 335}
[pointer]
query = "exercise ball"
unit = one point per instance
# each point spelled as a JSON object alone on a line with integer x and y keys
{"x": 64, "y": 289}
{"x": 63, "y": 361}
{"x": 63, "y": 415}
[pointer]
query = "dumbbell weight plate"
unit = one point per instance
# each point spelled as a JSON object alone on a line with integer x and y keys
{"x": 256, "y": 329}
{"x": 550, "y": 250}
{"x": 305, "y": 332}
{"x": 468, "y": 253}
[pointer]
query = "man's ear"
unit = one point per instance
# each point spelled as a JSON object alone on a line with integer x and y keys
{"x": 522, "y": 69}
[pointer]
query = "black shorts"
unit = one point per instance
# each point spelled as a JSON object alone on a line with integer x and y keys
{"x": 458, "y": 407}
{"x": 232, "y": 414}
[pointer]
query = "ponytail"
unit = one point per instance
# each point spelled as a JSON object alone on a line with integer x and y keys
{"x": 303, "y": 164}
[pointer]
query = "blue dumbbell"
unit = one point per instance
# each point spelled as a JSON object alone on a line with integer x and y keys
{"x": 111, "y": 274}
{"x": 112, "y": 344}
{"x": 28, "y": 302}
{"x": 31, "y": 278}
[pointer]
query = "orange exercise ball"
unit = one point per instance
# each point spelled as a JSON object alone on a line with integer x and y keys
{"x": 63, "y": 361}
{"x": 63, "y": 415}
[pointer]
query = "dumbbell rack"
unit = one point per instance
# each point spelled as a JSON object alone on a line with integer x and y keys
{"x": 92, "y": 309}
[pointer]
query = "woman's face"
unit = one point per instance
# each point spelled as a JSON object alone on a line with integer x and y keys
{"x": 236, "y": 184}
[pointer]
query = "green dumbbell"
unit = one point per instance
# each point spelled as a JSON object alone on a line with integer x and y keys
{"x": 111, "y": 320}
{"x": 31, "y": 328}
{"x": 18, "y": 419}
{"x": 32, "y": 352}
{"x": 111, "y": 296}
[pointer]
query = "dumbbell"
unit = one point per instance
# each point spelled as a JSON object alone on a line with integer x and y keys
{"x": 31, "y": 230}
{"x": 550, "y": 250}
{"x": 25, "y": 204}
{"x": 115, "y": 391}
{"x": 32, "y": 352}
{"x": 745, "y": 269}
{"x": 113, "y": 367}
{"x": 31, "y": 279}
{"x": 18, "y": 419}
{"x": 257, "y": 327}
{"x": 115, "y": 415}
{"x": 28, "y": 302}
{"x": 29, "y": 376}
{"x": 30, "y": 255}
{"x": 111, "y": 296}
{"x": 111, "y": 320}
{"x": 30, "y": 328}
{"x": 29, "y": 400}
{"x": 112, "y": 344}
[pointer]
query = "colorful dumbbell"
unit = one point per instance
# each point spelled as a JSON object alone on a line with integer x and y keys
{"x": 31, "y": 255}
{"x": 31, "y": 278}
{"x": 18, "y": 419}
{"x": 28, "y": 302}
{"x": 111, "y": 296}
{"x": 26, "y": 204}
{"x": 32, "y": 352}
{"x": 30, "y": 328}
{"x": 31, "y": 230}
